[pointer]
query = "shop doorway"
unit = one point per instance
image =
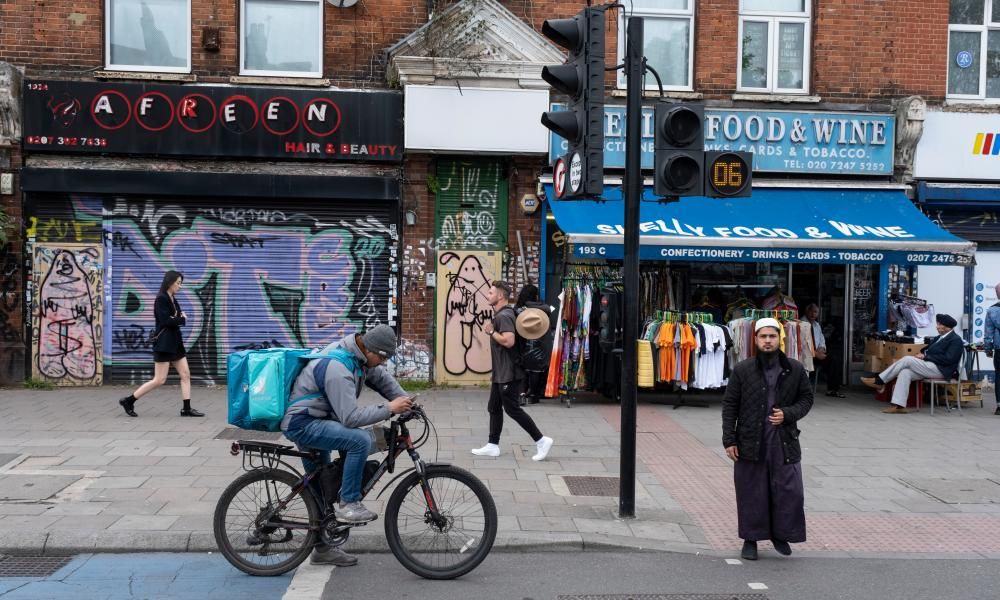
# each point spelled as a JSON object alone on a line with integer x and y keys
{"x": 826, "y": 286}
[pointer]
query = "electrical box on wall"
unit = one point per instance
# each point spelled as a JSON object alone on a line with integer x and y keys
{"x": 6, "y": 183}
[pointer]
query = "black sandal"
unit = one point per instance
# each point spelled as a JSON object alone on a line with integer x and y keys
{"x": 836, "y": 395}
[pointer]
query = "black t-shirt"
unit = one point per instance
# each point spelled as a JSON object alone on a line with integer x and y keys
{"x": 504, "y": 369}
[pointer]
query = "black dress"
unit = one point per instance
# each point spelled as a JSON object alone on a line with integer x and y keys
{"x": 169, "y": 346}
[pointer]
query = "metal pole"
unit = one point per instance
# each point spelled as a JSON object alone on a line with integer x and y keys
{"x": 633, "y": 194}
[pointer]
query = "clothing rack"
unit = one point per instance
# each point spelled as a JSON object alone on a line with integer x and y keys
{"x": 900, "y": 297}
{"x": 761, "y": 313}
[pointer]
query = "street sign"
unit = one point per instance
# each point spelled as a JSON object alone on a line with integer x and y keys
{"x": 559, "y": 178}
{"x": 575, "y": 173}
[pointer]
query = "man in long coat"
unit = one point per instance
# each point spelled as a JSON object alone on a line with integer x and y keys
{"x": 766, "y": 397}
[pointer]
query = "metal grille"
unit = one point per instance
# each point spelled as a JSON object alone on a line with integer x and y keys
{"x": 235, "y": 433}
{"x": 259, "y": 273}
{"x": 592, "y": 486}
{"x": 471, "y": 202}
{"x": 32, "y": 566}
{"x": 666, "y": 597}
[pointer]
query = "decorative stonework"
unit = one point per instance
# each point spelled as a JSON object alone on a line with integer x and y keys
{"x": 476, "y": 40}
{"x": 910, "y": 114}
{"x": 10, "y": 104}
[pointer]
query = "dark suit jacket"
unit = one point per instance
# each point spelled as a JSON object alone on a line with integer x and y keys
{"x": 168, "y": 321}
{"x": 946, "y": 354}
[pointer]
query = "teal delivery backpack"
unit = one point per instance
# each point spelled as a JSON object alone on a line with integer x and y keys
{"x": 259, "y": 383}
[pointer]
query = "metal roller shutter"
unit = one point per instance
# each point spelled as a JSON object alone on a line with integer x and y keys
{"x": 257, "y": 273}
{"x": 471, "y": 204}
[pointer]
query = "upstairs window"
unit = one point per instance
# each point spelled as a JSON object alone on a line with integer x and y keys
{"x": 148, "y": 35}
{"x": 974, "y": 33}
{"x": 282, "y": 38}
{"x": 669, "y": 42}
{"x": 774, "y": 46}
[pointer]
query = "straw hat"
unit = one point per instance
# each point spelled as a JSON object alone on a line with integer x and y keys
{"x": 532, "y": 323}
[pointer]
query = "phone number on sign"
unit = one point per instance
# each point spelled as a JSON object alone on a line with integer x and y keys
{"x": 50, "y": 140}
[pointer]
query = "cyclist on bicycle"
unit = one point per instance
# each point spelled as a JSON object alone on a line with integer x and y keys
{"x": 334, "y": 421}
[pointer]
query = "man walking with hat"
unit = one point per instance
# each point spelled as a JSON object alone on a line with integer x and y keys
{"x": 766, "y": 397}
{"x": 938, "y": 360}
{"x": 507, "y": 376}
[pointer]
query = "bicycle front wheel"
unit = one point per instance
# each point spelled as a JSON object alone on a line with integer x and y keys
{"x": 452, "y": 545}
{"x": 282, "y": 540}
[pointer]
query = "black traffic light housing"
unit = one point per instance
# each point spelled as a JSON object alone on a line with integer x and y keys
{"x": 679, "y": 149}
{"x": 581, "y": 78}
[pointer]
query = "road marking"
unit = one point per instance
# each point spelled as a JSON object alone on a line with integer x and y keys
{"x": 733, "y": 561}
{"x": 308, "y": 582}
{"x": 757, "y": 586}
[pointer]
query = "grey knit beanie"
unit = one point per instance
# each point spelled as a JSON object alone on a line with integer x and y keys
{"x": 380, "y": 340}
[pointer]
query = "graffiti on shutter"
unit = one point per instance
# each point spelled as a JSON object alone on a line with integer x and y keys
{"x": 463, "y": 348}
{"x": 471, "y": 205}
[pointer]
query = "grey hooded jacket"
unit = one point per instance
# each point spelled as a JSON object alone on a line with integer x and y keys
{"x": 343, "y": 388}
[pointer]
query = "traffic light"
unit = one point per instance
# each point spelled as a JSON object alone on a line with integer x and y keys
{"x": 580, "y": 172}
{"x": 679, "y": 149}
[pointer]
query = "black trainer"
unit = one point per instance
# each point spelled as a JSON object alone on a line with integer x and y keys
{"x": 749, "y": 550}
{"x": 782, "y": 547}
{"x": 190, "y": 412}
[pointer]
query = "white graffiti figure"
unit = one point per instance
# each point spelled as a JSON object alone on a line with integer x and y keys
{"x": 466, "y": 346}
{"x": 67, "y": 343}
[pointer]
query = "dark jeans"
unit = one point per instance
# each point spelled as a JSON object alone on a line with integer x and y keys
{"x": 535, "y": 383}
{"x": 326, "y": 435}
{"x": 830, "y": 366}
{"x": 503, "y": 398}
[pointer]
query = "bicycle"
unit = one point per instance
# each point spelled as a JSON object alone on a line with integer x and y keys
{"x": 268, "y": 520}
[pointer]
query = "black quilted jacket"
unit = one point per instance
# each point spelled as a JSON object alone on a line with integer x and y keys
{"x": 744, "y": 407}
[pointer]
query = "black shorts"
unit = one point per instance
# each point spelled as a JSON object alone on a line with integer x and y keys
{"x": 169, "y": 357}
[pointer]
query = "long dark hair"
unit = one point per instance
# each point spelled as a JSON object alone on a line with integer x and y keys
{"x": 168, "y": 280}
{"x": 528, "y": 293}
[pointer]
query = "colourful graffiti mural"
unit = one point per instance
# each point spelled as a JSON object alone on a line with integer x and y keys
{"x": 463, "y": 348}
{"x": 67, "y": 314}
{"x": 255, "y": 276}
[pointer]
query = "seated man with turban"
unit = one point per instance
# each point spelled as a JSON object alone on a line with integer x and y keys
{"x": 938, "y": 360}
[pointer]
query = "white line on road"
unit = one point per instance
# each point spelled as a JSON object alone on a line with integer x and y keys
{"x": 308, "y": 582}
{"x": 757, "y": 586}
{"x": 733, "y": 561}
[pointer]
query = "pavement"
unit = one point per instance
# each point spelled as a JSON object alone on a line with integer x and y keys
{"x": 77, "y": 475}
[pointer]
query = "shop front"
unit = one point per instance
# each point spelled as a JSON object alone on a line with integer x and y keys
{"x": 279, "y": 206}
{"x": 844, "y": 245}
{"x": 957, "y": 172}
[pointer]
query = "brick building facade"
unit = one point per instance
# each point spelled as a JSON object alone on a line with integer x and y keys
{"x": 853, "y": 56}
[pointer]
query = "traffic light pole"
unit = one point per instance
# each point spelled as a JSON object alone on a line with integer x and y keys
{"x": 633, "y": 195}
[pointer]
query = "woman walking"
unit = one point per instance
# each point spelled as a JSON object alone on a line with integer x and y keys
{"x": 168, "y": 347}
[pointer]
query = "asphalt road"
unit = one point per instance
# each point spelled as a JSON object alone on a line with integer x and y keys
{"x": 536, "y": 576}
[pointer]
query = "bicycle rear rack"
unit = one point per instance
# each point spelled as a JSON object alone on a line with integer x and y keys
{"x": 265, "y": 455}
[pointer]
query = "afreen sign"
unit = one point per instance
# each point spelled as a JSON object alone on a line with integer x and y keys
{"x": 781, "y": 141}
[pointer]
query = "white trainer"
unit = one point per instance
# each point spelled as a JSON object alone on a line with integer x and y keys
{"x": 544, "y": 445}
{"x": 487, "y": 450}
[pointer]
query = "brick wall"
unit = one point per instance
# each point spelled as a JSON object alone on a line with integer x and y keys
{"x": 12, "y": 270}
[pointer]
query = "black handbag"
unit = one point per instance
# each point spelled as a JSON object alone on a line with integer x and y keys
{"x": 154, "y": 336}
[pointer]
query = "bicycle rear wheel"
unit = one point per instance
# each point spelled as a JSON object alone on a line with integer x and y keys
{"x": 265, "y": 550}
{"x": 449, "y": 548}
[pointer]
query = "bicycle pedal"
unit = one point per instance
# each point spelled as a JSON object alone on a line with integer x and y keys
{"x": 357, "y": 523}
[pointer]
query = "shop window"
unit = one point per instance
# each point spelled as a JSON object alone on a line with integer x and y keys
{"x": 774, "y": 46}
{"x": 974, "y": 33}
{"x": 282, "y": 38}
{"x": 148, "y": 35}
{"x": 669, "y": 42}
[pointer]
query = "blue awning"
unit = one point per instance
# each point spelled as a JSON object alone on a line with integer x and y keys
{"x": 774, "y": 225}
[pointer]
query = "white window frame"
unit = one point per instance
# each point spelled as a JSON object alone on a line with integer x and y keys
{"x": 108, "y": 12}
{"x": 984, "y": 31}
{"x": 774, "y": 20}
{"x": 653, "y": 13}
{"x": 259, "y": 73}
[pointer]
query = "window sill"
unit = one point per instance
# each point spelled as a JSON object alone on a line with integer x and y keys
{"x": 970, "y": 105}
{"x": 676, "y": 94}
{"x": 147, "y": 76}
{"x": 278, "y": 80}
{"x": 783, "y": 98}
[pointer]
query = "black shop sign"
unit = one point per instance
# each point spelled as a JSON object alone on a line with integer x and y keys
{"x": 94, "y": 117}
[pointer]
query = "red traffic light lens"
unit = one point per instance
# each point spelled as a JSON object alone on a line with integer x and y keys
{"x": 682, "y": 126}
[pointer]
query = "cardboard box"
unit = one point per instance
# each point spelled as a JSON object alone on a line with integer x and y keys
{"x": 875, "y": 348}
{"x": 896, "y": 351}
{"x": 873, "y": 364}
{"x": 971, "y": 392}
